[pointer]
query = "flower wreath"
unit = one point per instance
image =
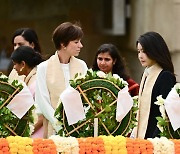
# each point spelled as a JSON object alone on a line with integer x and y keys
{"x": 10, "y": 124}
{"x": 99, "y": 94}
{"x": 164, "y": 123}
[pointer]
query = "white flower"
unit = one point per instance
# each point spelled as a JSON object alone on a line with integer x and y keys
{"x": 90, "y": 70}
{"x": 57, "y": 125}
{"x": 2, "y": 99}
{"x": 125, "y": 83}
{"x": 80, "y": 76}
{"x": 177, "y": 86}
{"x": 163, "y": 112}
{"x": 99, "y": 97}
{"x": 2, "y": 76}
{"x": 101, "y": 74}
{"x": 86, "y": 109}
{"x": 68, "y": 145}
{"x": 135, "y": 97}
{"x": 116, "y": 76}
{"x": 162, "y": 145}
{"x": 160, "y": 100}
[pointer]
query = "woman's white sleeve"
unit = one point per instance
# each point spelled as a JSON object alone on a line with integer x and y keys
{"x": 42, "y": 98}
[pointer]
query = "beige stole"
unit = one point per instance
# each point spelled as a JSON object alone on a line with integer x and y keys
{"x": 31, "y": 77}
{"x": 145, "y": 93}
{"x": 56, "y": 83}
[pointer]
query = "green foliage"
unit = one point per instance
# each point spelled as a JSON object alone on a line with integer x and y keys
{"x": 163, "y": 121}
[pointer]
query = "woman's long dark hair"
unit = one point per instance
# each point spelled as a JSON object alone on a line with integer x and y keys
{"x": 119, "y": 66}
{"x": 156, "y": 49}
{"x": 29, "y": 35}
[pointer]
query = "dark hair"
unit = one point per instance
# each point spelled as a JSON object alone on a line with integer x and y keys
{"x": 156, "y": 49}
{"x": 28, "y": 55}
{"x": 119, "y": 66}
{"x": 65, "y": 33}
{"x": 29, "y": 35}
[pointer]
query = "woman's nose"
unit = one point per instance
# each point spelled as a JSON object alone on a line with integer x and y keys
{"x": 80, "y": 45}
{"x": 139, "y": 55}
{"x": 102, "y": 62}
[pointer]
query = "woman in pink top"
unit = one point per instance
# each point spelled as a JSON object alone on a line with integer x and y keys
{"x": 25, "y": 60}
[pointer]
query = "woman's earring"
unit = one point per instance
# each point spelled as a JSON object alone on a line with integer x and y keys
{"x": 21, "y": 69}
{"x": 64, "y": 48}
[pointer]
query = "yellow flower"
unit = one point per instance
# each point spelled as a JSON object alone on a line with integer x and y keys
{"x": 19, "y": 144}
{"x": 13, "y": 150}
{"x": 114, "y": 144}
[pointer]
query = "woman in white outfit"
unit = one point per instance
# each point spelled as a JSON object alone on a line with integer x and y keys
{"x": 54, "y": 74}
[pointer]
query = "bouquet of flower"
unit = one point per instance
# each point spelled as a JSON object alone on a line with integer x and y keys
{"x": 164, "y": 124}
{"x": 10, "y": 124}
{"x": 99, "y": 92}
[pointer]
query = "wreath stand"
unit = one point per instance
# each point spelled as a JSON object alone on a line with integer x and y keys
{"x": 108, "y": 86}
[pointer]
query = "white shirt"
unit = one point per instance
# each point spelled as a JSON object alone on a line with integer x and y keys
{"x": 65, "y": 68}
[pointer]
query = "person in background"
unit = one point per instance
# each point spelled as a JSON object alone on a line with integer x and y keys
{"x": 54, "y": 74}
{"x": 108, "y": 59}
{"x": 158, "y": 79}
{"x": 23, "y": 37}
{"x": 25, "y": 60}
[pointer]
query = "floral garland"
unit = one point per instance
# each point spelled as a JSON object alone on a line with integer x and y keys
{"x": 163, "y": 123}
{"x": 101, "y": 144}
{"x": 101, "y": 90}
{"x": 10, "y": 124}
